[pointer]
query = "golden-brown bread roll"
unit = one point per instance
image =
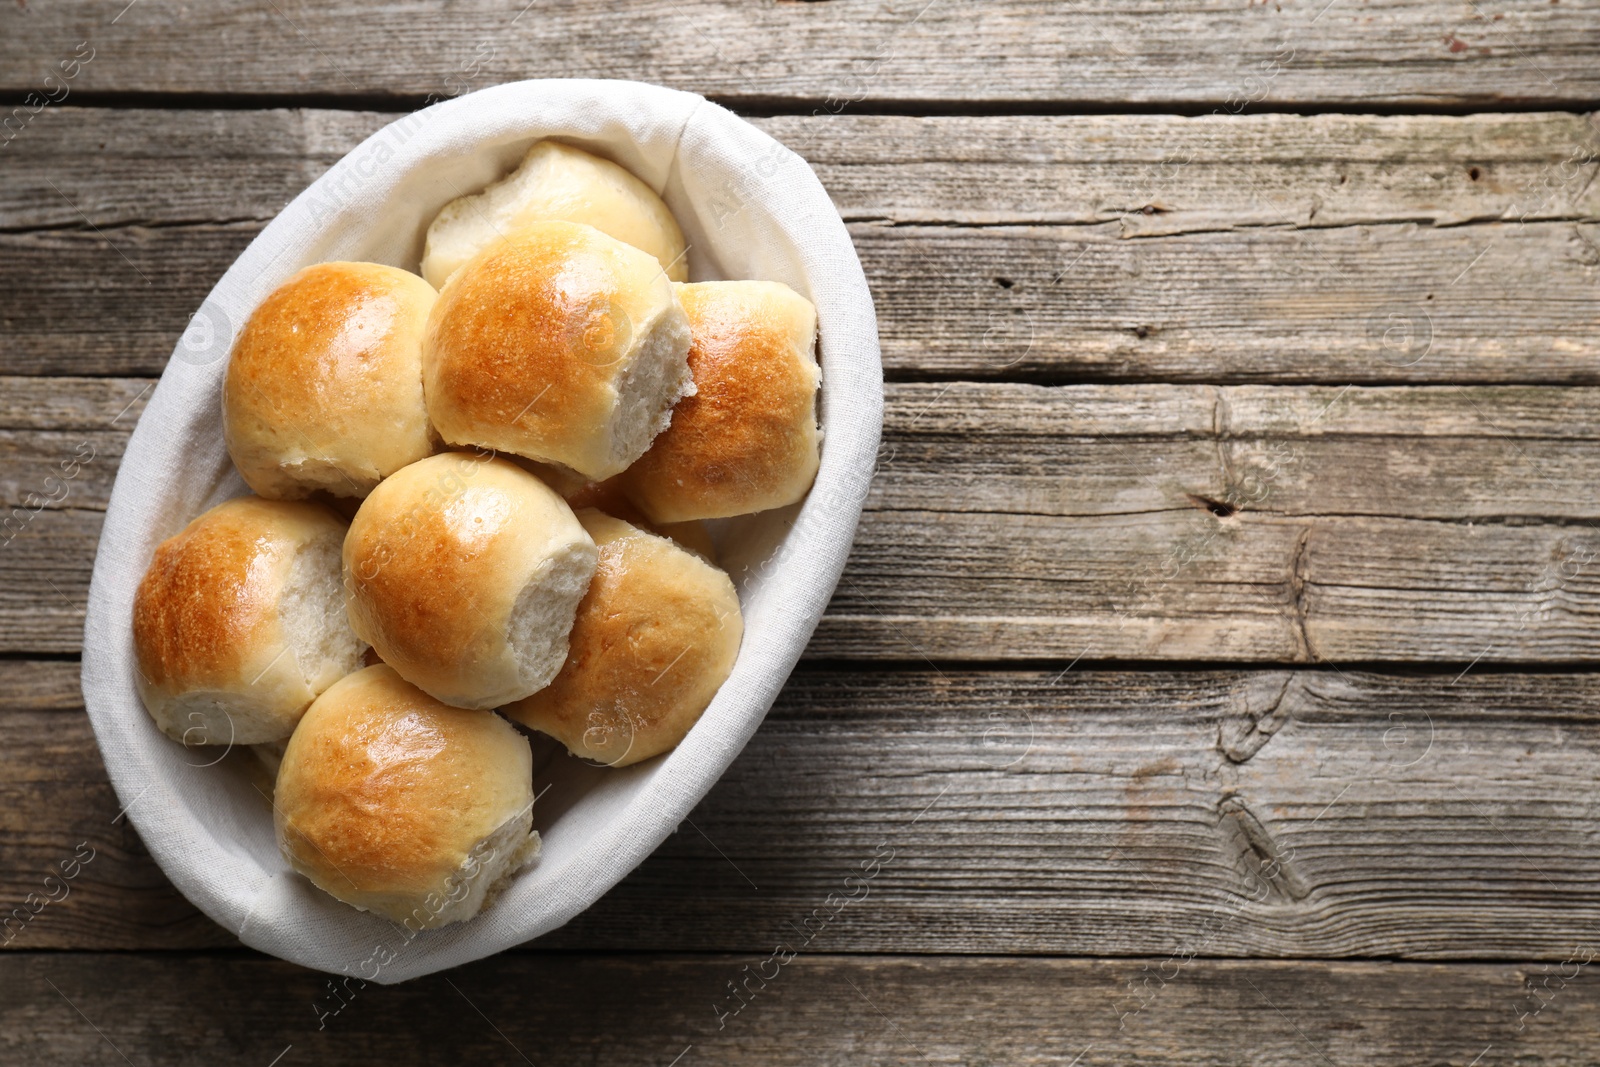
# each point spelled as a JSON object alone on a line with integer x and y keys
{"x": 239, "y": 622}
{"x": 400, "y": 805}
{"x": 324, "y": 386}
{"x": 656, "y": 636}
{"x": 561, "y": 183}
{"x": 559, "y": 344}
{"x": 747, "y": 439}
{"x": 464, "y": 573}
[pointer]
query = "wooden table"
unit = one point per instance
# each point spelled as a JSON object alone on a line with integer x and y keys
{"x": 1214, "y": 680}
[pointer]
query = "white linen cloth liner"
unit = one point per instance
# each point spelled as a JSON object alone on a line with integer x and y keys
{"x": 749, "y": 208}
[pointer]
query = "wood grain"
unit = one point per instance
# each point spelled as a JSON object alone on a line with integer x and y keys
{"x": 1150, "y": 174}
{"x": 817, "y": 1010}
{"x": 1498, "y": 302}
{"x": 1213, "y": 813}
{"x": 1156, "y": 174}
{"x": 1249, "y": 523}
{"x": 1277, "y": 248}
{"x": 839, "y": 54}
{"x": 1451, "y": 453}
{"x": 1262, "y": 385}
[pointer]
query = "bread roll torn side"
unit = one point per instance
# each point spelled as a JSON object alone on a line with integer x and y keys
{"x": 656, "y": 636}
{"x": 397, "y": 804}
{"x": 555, "y": 182}
{"x": 239, "y": 622}
{"x": 464, "y": 573}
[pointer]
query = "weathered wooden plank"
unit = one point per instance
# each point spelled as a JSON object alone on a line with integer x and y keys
{"x": 1229, "y": 286}
{"x": 162, "y": 167}
{"x": 1497, "y": 302}
{"x": 116, "y": 301}
{"x": 864, "y": 52}
{"x": 1457, "y": 453}
{"x": 1501, "y": 302}
{"x": 1180, "y": 585}
{"x": 1187, "y": 585}
{"x": 56, "y": 469}
{"x": 68, "y": 404}
{"x": 1165, "y": 174}
{"x": 116, "y": 888}
{"x": 45, "y": 563}
{"x": 1218, "y": 813}
{"x": 1154, "y": 521}
{"x": 61, "y": 440}
{"x": 813, "y": 1010}
{"x": 1202, "y": 173}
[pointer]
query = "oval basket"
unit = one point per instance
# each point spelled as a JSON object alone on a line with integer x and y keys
{"x": 749, "y": 208}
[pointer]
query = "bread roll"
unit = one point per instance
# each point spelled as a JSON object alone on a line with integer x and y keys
{"x": 324, "y": 387}
{"x": 561, "y": 183}
{"x": 464, "y": 573}
{"x": 561, "y": 345}
{"x": 400, "y": 805}
{"x": 656, "y": 636}
{"x": 239, "y": 622}
{"x": 747, "y": 439}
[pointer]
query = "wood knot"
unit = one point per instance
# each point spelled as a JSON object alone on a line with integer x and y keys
{"x": 1220, "y": 508}
{"x": 1265, "y": 704}
{"x": 1268, "y": 870}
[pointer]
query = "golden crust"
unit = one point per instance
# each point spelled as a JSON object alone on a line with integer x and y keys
{"x": 434, "y": 562}
{"x": 324, "y": 386}
{"x": 526, "y": 345}
{"x": 747, "y": 440}
{"x": 656, "y": 636}
{"x": 384, "y": 792}
{"x": 207, "y": 597}
{"x": 206, "y": 614}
